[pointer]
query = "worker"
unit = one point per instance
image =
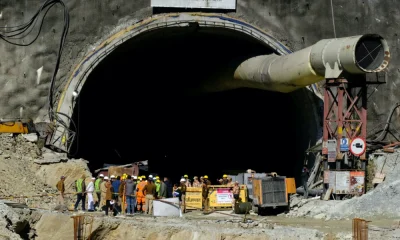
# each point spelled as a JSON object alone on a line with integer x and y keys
{"x": 149, "y": 191}
{"x": 61, "y": 190}
{"x": 182, "y": 198}
{"x": 97, "y": 183}
{"x": 158, "y": 186}
{"x": 304, "y": 177}
{"x": 140, "y": 197}
{"x": 235, "y": 192}
{"x": 121, "y": 192}
{"x": 204, "y": 192}
{"x": 196, "y": 182}
{"x": 115, "y": 185}
{"x": 175, "y": 191}
{"x": 230, "y": 183}
{"x": 89, "y": 191}
{"x": 163, "y": 189}
{"x": 201, "y": 180}
{"x": 103, "y": 190}
{"x": 169, "y": 187}
{"x": 80, "y": 193}
{"x": 187, "y": 181}
{"x": 130, "y": 187}
{"x": 108, "y": 194}
{"x": 225, "y": 179}
{"x": 220, "y": 181}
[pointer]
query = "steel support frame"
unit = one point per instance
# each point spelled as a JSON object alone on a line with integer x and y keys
{"x": 345, "y": 112}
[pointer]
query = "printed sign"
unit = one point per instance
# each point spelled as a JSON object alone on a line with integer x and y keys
{"x": 344, "y": 145}
{"x": 214, "y": 4}
{"x": 357, "y": 180}
{"x": 332, "y": 150}
{"x": 224, "y": 195}
{"x": 358, "y": 146}
{"x": 342, "y": 183}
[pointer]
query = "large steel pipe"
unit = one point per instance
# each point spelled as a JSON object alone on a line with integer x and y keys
{"x": 328, "y": 58}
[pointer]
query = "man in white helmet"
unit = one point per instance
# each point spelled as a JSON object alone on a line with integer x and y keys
{"x": 182, "y": 200}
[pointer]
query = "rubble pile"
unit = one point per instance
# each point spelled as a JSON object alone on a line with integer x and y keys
{"x": 17, "y": 224}
{"x": 27, "y": 171}
{"x": 379, "y": 202}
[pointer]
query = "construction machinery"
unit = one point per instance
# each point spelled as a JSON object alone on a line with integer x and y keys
{"x": 272, "y": 191}
{"x": 25, "y": 126}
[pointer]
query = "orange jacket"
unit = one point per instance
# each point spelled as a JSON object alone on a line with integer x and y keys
{"x": 139, "y": 188}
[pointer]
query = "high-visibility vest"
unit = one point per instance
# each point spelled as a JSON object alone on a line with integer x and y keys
{"x": 158, "y": 185}
{"x": 79, "y": 185}
{"x": 97, "y": 185}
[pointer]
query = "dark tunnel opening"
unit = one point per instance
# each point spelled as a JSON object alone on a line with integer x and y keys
{"x": 144, "y": 102}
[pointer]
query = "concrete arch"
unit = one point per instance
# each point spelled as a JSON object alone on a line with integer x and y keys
{"x": 83, "y": 69}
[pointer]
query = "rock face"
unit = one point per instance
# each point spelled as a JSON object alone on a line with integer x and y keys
{"x": 25, "y": 72}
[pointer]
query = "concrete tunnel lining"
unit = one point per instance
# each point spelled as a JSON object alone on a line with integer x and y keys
{"x": 171, "y": 21}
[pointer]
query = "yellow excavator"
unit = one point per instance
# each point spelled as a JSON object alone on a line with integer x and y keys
{"x": 17, "y": 126}
{"x": 25, "y": 126}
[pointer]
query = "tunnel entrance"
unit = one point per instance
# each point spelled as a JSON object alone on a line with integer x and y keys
{"x": 156, "y": 97}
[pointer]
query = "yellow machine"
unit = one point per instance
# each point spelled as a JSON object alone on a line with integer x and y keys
{"x": 22, "y": 126}
{"x": 17, "y": 126}
{"x": 272, "y": 191}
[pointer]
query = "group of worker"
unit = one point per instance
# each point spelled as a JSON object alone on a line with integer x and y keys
{"x": 138, "y": 192}
{"x": 204, "y": 183}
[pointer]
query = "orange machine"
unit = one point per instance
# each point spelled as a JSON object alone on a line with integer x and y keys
{"x": 272, "y": 191}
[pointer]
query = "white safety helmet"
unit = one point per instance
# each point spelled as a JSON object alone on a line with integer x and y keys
{"x": 112, "y": 176}
{"x": 183, "y": 180}
{"x": 135, "y": 177}
{"x": 101, "y": 175}
{"x": 105, "y": 178}
{"x": 150, "y": 176}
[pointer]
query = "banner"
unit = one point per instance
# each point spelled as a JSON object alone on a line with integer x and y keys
{"x": 342, "y": 182}
{"x": 357, "y": 180}
{"x": 224, "y": 195}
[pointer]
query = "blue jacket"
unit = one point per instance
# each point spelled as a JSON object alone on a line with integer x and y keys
{"x": 116, "y": 184}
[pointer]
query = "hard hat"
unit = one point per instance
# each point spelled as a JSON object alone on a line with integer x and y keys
{"x": 185, "y": 176}
{"x": 195, "y": 177}
{"x": 183, "y": 180}
{"x": 225, "y": 176}
{"x": 157, "y": 177}
{"x": 143, "y": 177}
{"x": 154, "y": 179}
{"x": 158, "y": 181}
{"x": 93, "y": 178}
{"x": 205, "y": 176}
{"x": 150, "y": 176}
{"x": 134, "y": 177}
{"x": 140, "y": 178}
{"x": 105, "y": 178}
{"x": 101, "y": 175}
{"x": 112, "y": 176}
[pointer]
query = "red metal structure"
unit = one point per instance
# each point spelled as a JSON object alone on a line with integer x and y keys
{"x": 345, "y": 112}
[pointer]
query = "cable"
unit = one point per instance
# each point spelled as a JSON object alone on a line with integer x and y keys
{"x": 23, "y": 30}
{"x": 385, "y": 130}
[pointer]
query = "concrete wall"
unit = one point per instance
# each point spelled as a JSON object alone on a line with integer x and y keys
{"x": 296, "y": 23}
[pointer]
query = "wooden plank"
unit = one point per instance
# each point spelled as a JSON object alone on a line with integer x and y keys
{"x": 328, "y": 194}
